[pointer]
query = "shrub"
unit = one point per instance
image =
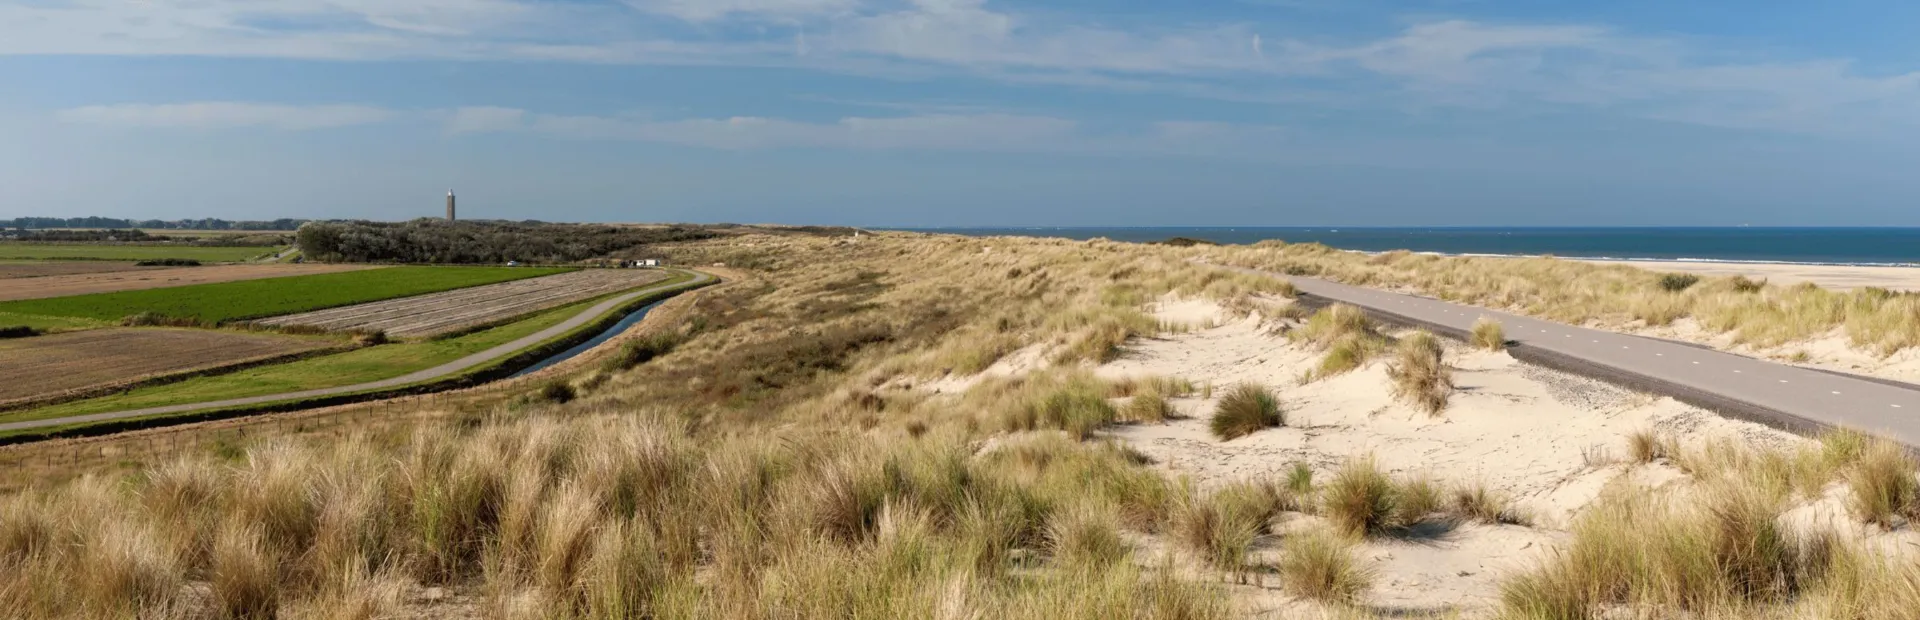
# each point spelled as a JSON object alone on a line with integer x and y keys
{"x": 371, "y": 338}
{"x": 1360, "y": 500}
{"x": 557, "y": 391}
{"x": 1246, "y": 409}
{"x": 168, "y": 262}
{"x": 1419, "y": 376}
{"x": 1676, "y": 282}
{"x": 1321, "y": 565}
{"x": 1741, "y": 284}
{"x": 18, "y": 331}
{"x": 1488, "y": 334}
{"x": 642, "y": 350}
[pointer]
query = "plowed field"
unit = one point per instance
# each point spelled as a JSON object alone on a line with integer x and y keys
{"x": 50, "y": 365}
{"x": 441, "y": 313}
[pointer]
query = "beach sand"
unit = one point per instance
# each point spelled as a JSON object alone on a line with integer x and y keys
{"x": 1841, "y": 277}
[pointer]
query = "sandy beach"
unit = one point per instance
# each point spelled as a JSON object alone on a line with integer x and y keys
{"x": 1841, "y": 277}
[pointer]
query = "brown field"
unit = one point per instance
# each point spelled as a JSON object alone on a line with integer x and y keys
{"x": 46, "y": 366}
{"x": 38, "y": 269}
{"x": 17, "y": 288}
{"x": 441, "y": 313}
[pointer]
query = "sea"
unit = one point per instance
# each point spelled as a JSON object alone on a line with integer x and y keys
{"x": 1826, "y": 246}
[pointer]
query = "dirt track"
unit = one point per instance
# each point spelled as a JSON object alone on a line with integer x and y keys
{"x": 50, "y": 365}
{"x": 440, "y": 313}
{"x": 14, "y": 289}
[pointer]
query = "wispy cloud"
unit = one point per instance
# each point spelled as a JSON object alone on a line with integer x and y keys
{"x": 216, "y": 115}
{"x": 1432, "y": 63}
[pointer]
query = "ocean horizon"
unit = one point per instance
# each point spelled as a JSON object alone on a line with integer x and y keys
{"x": 1787, "y": 245}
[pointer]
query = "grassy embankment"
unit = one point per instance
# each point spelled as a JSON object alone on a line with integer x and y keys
{"x": 350, "y": 368}
{"x": 211, "y": 304}
{"x": 78, "y": 251}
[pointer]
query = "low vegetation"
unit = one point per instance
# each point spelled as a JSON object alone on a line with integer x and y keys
{"x": 1244, "y": 410}
{"x": 1488, "y": 334}
{"x": 1420, "y": 376}
{"x": 1346, "y": 335}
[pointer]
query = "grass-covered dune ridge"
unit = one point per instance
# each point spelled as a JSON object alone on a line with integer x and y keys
{"x": 1751, "y": 312}
{"x": 914, "y": 426}
{"x": 750, "y": 471}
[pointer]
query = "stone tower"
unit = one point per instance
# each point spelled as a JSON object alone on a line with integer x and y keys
{"x": 450, "y": 205}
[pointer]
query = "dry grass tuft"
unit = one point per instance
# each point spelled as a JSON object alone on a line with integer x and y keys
{"x": 1360, "y": 500}
{"x": 1419, "y": 375}
{"x": 1488, "y": 334}
{"x": 1644, "y": 446}
{"x": 1884, "y": 490}
{"x": 1321, "y": 565}
{"x": 1246, "y": 409}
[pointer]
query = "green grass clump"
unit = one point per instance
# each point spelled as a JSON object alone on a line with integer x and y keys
{"x": 1078, "y": 406}
{"x": 1489, "y": 335}
{"x": 1331, "y": 325}
{"x": 1247, "y": 409}
{"x": 229, "y": 301}
{"x": 1149, "y": 407}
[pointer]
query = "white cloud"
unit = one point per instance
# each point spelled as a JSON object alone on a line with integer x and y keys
{"x": 709, "y": 10}
{"x": 1435, "y": 63}
{"x": 986, "y": 132}
{"x": 215, "y": 115}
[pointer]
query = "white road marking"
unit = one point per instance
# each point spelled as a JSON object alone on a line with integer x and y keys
{"x": 1836, "y": 392}
{"x": 1896, "y": 406}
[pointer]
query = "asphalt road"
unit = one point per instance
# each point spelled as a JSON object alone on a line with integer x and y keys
{"x": 1824, "y": 398}
{"x": 437, "y": 372}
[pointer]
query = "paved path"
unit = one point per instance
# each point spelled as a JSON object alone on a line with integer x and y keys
{"x": 437, "y": 372}
{"x": 1765, "y": 388}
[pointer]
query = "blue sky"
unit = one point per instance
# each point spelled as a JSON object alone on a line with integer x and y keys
{"x": 967, "y": 112}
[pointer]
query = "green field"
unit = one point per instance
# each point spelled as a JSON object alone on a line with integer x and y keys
{"x": 358, "y": 366}
{"x": 209, "y": 254}
{"x": 248, "y": 299}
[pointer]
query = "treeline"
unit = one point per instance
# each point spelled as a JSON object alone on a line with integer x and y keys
{"x": 285, "y": 224}
{"x": 478, "y": 241}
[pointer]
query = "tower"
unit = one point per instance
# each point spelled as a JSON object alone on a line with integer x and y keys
{"x": 450, "y": 205}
